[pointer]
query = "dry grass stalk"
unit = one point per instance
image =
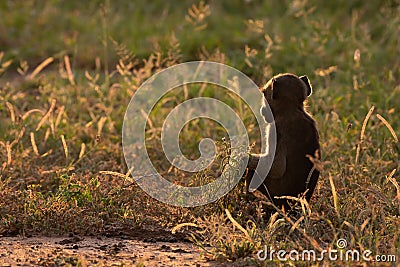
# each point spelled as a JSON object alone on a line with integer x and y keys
{"x": 396, "y": 185}
{"x": 8, "y": 149}
{"x": 335, "y": 196}
{"x": 69, "y": 70}
{"x": 33, "y": 142}
{"x": 64, "y": 143}
{"x": 26, "y": 114}
{"x": 121, "y": 175}
{"x": 384, "y": 121}
{"x": 236, "y": 224}
{"x": 82, "y": 152}
{"x": 59, "y": 116}
{"x": 47, "y": 115}
{"x": 100, "y": 125}
{"x": 362, "y": 134}
{"x": 179, "y": 226}
{"x": 12, "y": 112}
{"x": 40, "y": 67}
{"x": 296, "y": 224}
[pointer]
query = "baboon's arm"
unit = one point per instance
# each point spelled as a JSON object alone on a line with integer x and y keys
{"x": 278, "y": 167}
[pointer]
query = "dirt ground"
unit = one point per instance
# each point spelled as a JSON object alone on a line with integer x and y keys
{"x": 99, "y": 251}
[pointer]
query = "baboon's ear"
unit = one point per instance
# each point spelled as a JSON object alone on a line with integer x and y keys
{"x": 308, "y": 84}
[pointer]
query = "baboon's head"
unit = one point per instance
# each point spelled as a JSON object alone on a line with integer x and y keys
{"x": 286, "y": 91}
{"x": 287, "y": 88}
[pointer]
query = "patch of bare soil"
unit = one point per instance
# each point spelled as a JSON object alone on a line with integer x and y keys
{"x": 154, "y": 250}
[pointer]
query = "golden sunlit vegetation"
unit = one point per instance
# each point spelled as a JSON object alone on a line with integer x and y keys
{"x": 69, "y": 68}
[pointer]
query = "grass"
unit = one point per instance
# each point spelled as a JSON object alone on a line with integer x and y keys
{"x": 61, "y": 163}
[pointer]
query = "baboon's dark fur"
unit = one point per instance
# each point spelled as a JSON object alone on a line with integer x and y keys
{"x": 297, "y": 136}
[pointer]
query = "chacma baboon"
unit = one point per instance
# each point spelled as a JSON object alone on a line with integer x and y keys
{"x": 292, "y": 172}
